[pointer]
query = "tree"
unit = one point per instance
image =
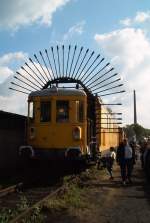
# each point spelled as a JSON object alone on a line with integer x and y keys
{"x": 136, "y": 130}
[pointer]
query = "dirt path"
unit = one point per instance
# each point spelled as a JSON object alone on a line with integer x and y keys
{"x": 113, "y": 203}
{"x": 106, "y": 201}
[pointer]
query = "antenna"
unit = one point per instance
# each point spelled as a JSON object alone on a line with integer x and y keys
{"x": 71, "y": 64}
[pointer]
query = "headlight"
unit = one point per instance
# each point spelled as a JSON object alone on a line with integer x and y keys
{"x": 32, "y": 133}
{"x": 76, "y": 133}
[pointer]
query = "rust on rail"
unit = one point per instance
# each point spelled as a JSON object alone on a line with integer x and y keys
{"x": 10, "y": 189}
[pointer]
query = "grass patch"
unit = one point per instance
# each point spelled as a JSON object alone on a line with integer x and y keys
{"x": 8, "y": 214}
{"x": 70, "y": 198}
{"x": 35, "y": 217}
{"x": 72, "y": 194}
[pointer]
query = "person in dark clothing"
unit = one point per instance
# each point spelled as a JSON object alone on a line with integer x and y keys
{"x": 124, "y": 158}
{"x": 134, "y": 158}
{"x": 142, "y": 151}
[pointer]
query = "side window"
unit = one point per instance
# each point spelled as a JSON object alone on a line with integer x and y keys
{"x": 80, "y": 111}
{"x": 62, "y": 111}
{"x": 31, "y": 110}
{"x": 45, "y": 111}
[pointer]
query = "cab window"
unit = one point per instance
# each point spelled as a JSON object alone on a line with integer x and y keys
{"x": 45, "y": 111}
{"x": 62, "y": 111}
{"x": 31, "y": 110}
{"x": 80, "y": 111}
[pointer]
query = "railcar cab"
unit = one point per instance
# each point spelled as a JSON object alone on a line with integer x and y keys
{"x": 57, "y": 124}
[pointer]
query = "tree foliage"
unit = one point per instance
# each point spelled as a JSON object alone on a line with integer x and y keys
{"x": 136, "y": 130}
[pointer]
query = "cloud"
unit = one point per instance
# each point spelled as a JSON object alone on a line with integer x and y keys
{"x": 14, "y": 103}
{"x": 11, "y": 101}
{"x": 7, "y": 60}
{"x": 76, "y": 29}
{"x": 130, "y": 50}
{"x": 140, "y": 17}
{"x": 4, "y": 73}
{"x": 16, "y": 13}
{"x": 132, "y": 44}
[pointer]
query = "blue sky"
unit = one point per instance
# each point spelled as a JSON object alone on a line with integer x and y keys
{"x": 117, "y": 29}
{"x": 98, "y": 17}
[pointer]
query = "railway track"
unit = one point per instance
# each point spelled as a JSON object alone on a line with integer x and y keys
{"x": 11, "y": 189}
{"x": 17, "y": 200}
{"x": 20, "y": 200}
{"x": 38, "y": 204}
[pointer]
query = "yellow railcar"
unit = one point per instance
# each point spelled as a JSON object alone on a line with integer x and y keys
{"x": 110, "y": 132}
{"x": 68, "y": 122}
{"x": 61, "y": 125}
{"x": 57, "y": 124}
{"x": 109, "y": 139}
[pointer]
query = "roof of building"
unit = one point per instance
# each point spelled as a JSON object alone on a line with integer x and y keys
{"x": 4, "y": 114}
{"x": 10, "y": 120}
{"x": 58, "y": 91}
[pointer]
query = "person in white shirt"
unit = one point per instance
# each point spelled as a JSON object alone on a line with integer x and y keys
{"x": 110, "y": 158}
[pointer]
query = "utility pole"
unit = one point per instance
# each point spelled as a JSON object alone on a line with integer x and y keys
{"x": 135, "y": 114}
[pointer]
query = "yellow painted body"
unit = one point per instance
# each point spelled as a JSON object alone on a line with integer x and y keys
{"x": 54, "y": 135}
{"x": 106, "y": 138}
{"x": 60, "y": 136}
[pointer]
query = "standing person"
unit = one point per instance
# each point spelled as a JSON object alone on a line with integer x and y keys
{"x": 134, "y": 155}
{"x": 110, "y": 158}
{"x": 125, "y": 160}
{"x": 142, "y": 151}
{"x": 146, "y": 160}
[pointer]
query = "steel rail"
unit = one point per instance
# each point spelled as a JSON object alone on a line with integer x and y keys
{"x": 68, "y": 59}
{"x": 19, "y": 91}
{"x": 29, "y": 210}
{"x": 26, "y": 83}
{"x": 21, "y": 86}
{"x": 77, "y": 61}
{"x": 63, "y": 55}
{"x": 41, "y": 68}
{"x": 37, "y": 70}
{"x": 45, "y": 65}
{"x": 91, "y": 72}
{"x": 91, "y": 55}
{"x": 10, "y": 189}
{"x": 94, "y": 75}
{"x": 72, "y": 60}
{"x": 31, "y": 74}
{"x": 46, "y": 52}
{"x": 89, "y": 85}
{"x": 27, "y": 79}
{"x": 54, "y": 61}
{"x": 85, "y": 73}
{"x": 81, "y": 63}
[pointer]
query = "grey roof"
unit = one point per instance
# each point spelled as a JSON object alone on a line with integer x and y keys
{"x": 57, "y": 91}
